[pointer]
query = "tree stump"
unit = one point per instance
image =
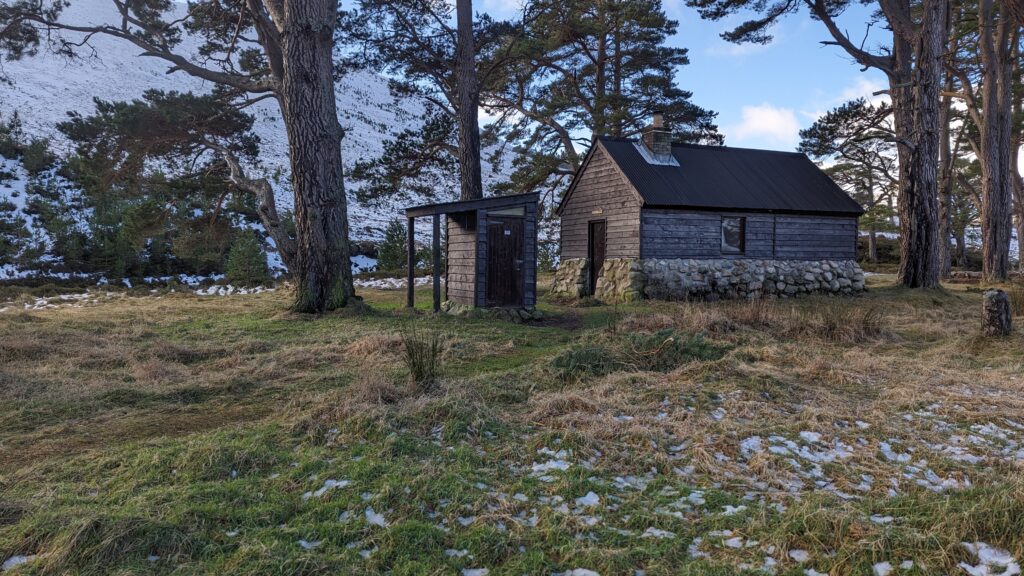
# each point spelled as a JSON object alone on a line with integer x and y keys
{"x": 996, "y": 314}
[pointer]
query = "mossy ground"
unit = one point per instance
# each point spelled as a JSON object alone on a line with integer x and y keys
{"x": 176, "y": 434}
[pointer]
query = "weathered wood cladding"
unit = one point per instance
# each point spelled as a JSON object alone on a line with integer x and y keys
{"x": 601, "y": 193}
{"x": 467, "y": 247}
{"x": 529, "y": 256}
{"x": 676, "y": 234}
{"x": 697, "y": 234}
{"x": 815, "y": 237}
{"x": 460, "y": 260}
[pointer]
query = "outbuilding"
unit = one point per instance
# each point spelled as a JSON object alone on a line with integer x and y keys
{"x": 491, "y": 252}
{"x": 653, "y": 218}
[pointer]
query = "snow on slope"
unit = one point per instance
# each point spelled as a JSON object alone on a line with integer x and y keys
{"x": 47, "y": 86}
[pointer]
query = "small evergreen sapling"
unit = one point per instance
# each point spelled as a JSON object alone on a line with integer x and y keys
{"x": 392, "y": 253}
{"x": 247, "y": 263}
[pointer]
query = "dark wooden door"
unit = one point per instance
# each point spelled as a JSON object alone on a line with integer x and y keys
{"x": 505, "y": 262}
{"x": 596, "y": 240}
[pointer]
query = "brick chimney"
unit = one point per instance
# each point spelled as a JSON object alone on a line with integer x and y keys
{"x": 658, "y": 139}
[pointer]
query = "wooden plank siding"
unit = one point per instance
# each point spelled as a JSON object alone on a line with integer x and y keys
{"x": 697, "y": 234}
{"x": 530, "y": 257}
{"x": 460, "y": 282}
{"x": 679, "y": 234}
{"x": 601, "y": 188}
{"x": 815, "y": 237}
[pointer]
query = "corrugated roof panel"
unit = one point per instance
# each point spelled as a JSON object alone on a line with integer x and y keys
{"x": 719, "y": 177}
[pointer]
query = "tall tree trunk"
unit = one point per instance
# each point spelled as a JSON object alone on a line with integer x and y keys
{"x": 915, "y": 95}
{"x": 997, "y": 193}
{"x": 1016, "y": 141}
{"x": 1018, "y": 194}
{"x": 471, "y": 180}
{"x": 873, "y": 245}
{"x": 1018, "y": 191}
{"x": 961, "y": 249}
{"x": 323, "y": 270}
{"x": 946, "y": 159}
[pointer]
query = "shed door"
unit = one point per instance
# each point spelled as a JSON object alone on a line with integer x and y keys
{"x": 596, "y": 239}
{"x": 504, "y": 261}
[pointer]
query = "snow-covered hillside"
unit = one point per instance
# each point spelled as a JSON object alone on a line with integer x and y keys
{"x": 47, "y": 86}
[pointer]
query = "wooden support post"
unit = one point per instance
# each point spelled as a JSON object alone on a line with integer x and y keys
{"x": 411, "y": 248}
{"x": 437, "y": 262}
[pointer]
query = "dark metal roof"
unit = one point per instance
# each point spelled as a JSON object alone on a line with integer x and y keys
{"x": 472, "y": 205}
{"x": 724, "y": 178}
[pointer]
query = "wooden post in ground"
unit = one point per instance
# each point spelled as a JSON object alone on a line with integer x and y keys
{"x": 996, "y": 314}
{"x": 411, "y": 249}
{"x": 437, "y": 262}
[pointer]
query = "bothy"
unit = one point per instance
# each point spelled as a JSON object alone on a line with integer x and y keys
{"x": 652, "y": 218}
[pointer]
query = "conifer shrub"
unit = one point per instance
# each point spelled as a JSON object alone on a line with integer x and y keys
{"x": 37, "y": 157}
{"x": 247, "y": 262}
{"x": 391, "y": 255}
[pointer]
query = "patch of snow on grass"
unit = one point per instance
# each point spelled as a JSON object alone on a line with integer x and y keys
{"x": 800, "y": 556}
{"x": 375, "y": 519}
{"x": 991, "y": 561}
{"x": 329, "y": 484}
{"x": 391, "y": 283}
{"x": 15, "y": 561}
{"x": 882, "y": 569}
{"x": 653, "y": 532}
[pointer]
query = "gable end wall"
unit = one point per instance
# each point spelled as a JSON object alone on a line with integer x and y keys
{"x": 601, "y": 187}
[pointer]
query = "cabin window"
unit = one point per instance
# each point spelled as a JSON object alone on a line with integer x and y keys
{"x": 733, "y": 233}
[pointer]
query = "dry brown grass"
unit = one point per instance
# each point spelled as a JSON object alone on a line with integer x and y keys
{"x": 802, "y": 365}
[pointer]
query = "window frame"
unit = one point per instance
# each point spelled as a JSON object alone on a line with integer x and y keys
{"x": 728, "y": 249}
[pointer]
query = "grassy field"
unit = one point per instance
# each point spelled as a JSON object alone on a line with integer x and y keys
{"x": 175, "y": 434}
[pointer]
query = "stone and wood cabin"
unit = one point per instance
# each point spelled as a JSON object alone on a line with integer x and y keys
{"x": 653, "y": 218}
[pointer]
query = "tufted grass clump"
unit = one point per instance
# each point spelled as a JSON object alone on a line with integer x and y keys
{"x": 666, "y": 350}
{"x": 423, "y": 357}
{"x": 586, "y": 360}
{"x": 660, "y": 351}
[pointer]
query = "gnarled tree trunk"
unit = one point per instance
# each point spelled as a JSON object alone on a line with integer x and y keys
{"x": 915, "y": 95}
{"x": 322, "y": 269}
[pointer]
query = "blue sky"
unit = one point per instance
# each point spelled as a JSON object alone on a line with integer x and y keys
{"x": 763, "y": 94}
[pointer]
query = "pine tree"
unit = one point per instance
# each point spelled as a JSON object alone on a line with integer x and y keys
{"x": 426, "y": 56}
{"x": 586, "y": 68}
{"x": 392, "y": 255}
{"x": 247, "y": 262}
{"x": 255, "y": 50}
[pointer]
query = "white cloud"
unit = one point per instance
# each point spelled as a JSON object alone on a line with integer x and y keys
{"x": 864, "y": 87}
{"x": 730, "y": 49}
{"x": 766, "y": 124}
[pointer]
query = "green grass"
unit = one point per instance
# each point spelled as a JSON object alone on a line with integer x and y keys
{"x": 179, "y": 435}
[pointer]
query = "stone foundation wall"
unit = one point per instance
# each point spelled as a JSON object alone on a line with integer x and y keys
{"x": 621, "y": 280}
{"x": 686, "y": 279}
{"x": 571, "y": 278}
{"x": 624, "y": 280}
